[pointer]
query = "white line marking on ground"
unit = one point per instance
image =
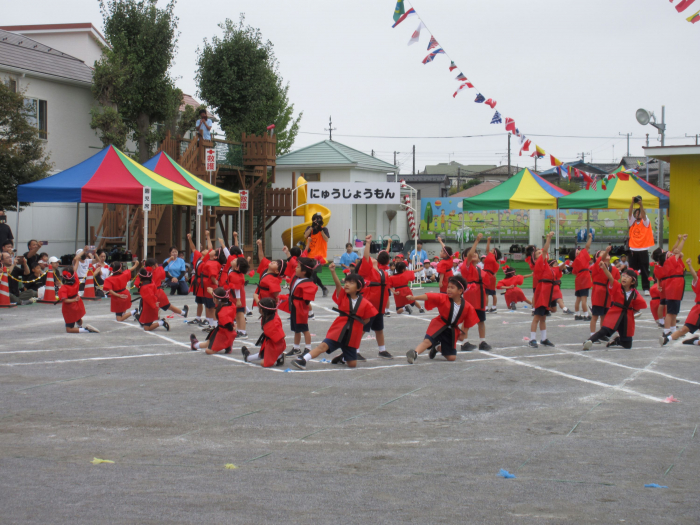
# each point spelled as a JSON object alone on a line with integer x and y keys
{"x": 80, "y": 349}
{"x": 60, "y": 361}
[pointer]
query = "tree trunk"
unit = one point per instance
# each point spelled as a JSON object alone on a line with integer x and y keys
{"x": 143, "y": 125}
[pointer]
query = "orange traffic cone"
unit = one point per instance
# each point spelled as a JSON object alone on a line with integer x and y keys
{"x": 5, "y": 291}
{"x": 49, "y": 290}
{"x": 89, "y": 289}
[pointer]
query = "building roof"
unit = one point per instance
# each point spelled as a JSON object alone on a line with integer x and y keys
{"x": 331, "y": 154}
{"x": 421, "y": 178}
{"x": 499, "y": 170}
{"x": 666, "y": 152}
{"x": 585, "y": 166}
{"x": 86, "y": 27}
{"x": 476, "y": 190}
{"x": 631, "y": 162}
{"x": 454, "y": 168}
{"x": 189, "y": 100}
{"x": 22, "y": 54}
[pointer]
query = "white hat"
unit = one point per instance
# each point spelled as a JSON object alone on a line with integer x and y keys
{"x": 80, "y": 250}
{"x": 53, "y": 259}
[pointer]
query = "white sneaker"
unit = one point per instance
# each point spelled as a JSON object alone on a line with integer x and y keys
{"x": 91, "y": 329}
{"x": 646, "y": 292}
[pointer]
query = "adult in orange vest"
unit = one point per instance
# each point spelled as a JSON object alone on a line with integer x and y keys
{"x": 317, "y": 237}
{"x": 641, "y": 238}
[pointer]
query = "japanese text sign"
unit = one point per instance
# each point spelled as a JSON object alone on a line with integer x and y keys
{"x": 146, "y": 198}
{"x": 210, "y": 159}
{"x": 244, "y": 200}
{"x": 353, "y": 193}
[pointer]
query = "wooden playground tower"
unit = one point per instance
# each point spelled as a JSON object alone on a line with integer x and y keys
{"x": 249, "y": 165}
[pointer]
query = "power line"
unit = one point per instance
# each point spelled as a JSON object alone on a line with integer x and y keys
{"x": 477, "y": 136}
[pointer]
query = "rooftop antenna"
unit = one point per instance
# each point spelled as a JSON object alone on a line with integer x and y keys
{"x": 330, "y": 129}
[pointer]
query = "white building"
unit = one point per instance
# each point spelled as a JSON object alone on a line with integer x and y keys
{"x": 330, "y": 161}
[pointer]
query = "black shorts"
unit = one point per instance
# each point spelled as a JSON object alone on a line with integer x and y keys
{"x": 673, "y": 307}
{"x": 481, "y": 314}
{"x": 599, "y": 311}
{"x": 662, "y": 302}
{"x": 541, "y": 311}
{"x": 119, "y": 314}
{"x": 490, "y": 292}
{"x": 240, "y": 310}
{"x": 692, "y": 328}
{"x": 582, "y": 293}
{"x": 349, "y": 353}
{"x": 72, "y": 325}
{"x": 208, "y": 302}
{"x": 445, "y": 342}
{"x": 167, "y": 306}
{"x": 376, "y": 324}
{"x": 553, "y": 304}
{"x": 298, "y": 328}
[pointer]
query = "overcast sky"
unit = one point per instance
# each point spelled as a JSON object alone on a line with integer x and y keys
{"x": 556, "y": 67}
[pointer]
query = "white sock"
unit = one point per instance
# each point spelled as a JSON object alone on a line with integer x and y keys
{"x": 543, "y": 334}
{"x": 296, "y": 347}
{"x": 307, "y": 357}
{"x": 482, "y": 339}
{"x": 592, "y": 334}
{"x": 382, "y": 348}
{"x": 196, "y": 345}
{"x": 533, "y": 336}
{"x": 696, "y": 342}
{"x": 160, "y": 322}
{"x": 254, "y": 357}
{"x": 668, "y": 331}
{"x": 82, "y": 330}
{"x": 212, "y": 321}
{"x": 198, "y": 318}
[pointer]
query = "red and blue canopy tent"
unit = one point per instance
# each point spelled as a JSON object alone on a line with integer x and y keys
{"x": 108, "y": 177}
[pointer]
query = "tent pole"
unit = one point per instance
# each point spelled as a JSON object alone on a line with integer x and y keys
{"x": 199, "y": 235}
{"x": 77, "y": 224}
{"x": 145, "y": 235}
{"x": 87, "y": 243}
{"x": 17, "y": 227}
{"x": 556, "y": 250}
{"x": 588, "y": 223}
{"x": 499, "y": 228}
{"x": 126, "y": 248}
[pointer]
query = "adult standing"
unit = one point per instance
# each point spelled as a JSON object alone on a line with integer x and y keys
{"x": 32, "y": 255}
{"x": 204, "y": 125}
{"x": 641, "y": 238}
{"x": 5, "y": 230}
{"x": 418, "y": 257}
{"x": 317, "y": 237}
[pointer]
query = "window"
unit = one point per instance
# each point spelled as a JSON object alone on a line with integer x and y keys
{"x": 12, "y": 84}
{"x": 36, "y": 115}
{"x": 312, "y": 177}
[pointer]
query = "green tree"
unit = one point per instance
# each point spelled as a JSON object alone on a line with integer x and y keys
{"x": 22, "y": 157}
{"x": 134, "y": 75}
{"x": 188, "y": 120}
{"x": 239, "y": 79}
{"x": 428, "y": 217}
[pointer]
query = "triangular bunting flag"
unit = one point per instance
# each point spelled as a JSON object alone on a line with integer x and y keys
{"x": 491, "y": 103}
{"x": 539, "y": 152}
{"x": 479, "y": 98}
{"x": 555, "y": 161}
{"x": 510, "y": 125}
{"x": 432, "y": 55}
{"x": 694, "y": 19}
{"x": 433, "y": 43}
{"x": 496, "y": 118}
{"x": 461, "y": 77}
{"x": 460, "y": 88}
{"x": 683, "y": 5}
{"x": 452, "y": 66}
{"x": 524, "y": 144}
{"x": 407, "y": 14}
{"x": 399, "y": 10}
{"x": 416, "y": 34}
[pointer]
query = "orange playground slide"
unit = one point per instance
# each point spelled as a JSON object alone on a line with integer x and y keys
{"x": 307, "y": 211}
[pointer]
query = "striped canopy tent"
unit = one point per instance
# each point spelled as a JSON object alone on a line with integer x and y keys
{"x": 524, "y": 190}
{"x": 165, "y": 166}
{"x": 617, "y": 195}
{"x": 108, "y": 177}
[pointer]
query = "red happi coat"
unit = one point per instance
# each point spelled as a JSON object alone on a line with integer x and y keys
{"x": 376, "y": 292}
{"x": 224, "y": 334}
{"x": 601, "y": 290}
{"x": 655, "y": 302}
{"x": 211, "y": 274}
{"x": 443, "y": 322}
{"x": 72, "y": 312}
{"x": 557, "y": 286}
{"x": 119, "y": 283}
{"x": 673, "y": 282}
{"x": 149, "y": 308}
{"x": 491, "y": 268}
{"x": 623, "y": 308}
{"x": 513, "y": 295}
{"x": 158, "y": 276}
{"x": 296, "y": 303}
{"x": 581, "y": 269}
{"x": 658, "y": 275}
{"x": 236, "y": 281}
{"x": 694, "y": 315}
{"x": 197, "y": 283}
{"x": 444, "y": 268}
{"x": 545, "y": 277}
{"x": 475, "y": 294}
{"x": 401, "y": 288}
{"x": 272, "y": 342}
{"x": 346, "y": 330}
{"x": 290, "y": 270}
{"x": 268, "y": 286}
{"x": 531, "y": 264}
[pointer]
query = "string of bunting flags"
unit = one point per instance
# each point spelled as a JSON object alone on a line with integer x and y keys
{"x": 565, "y": 171}
{"x": 685, "y": 4}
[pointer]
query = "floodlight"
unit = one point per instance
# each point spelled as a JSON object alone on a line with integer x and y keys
{"x": 644, "y": 116}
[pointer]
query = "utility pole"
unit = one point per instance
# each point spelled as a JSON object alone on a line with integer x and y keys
{"x": 696, "y": 138}
{"x": 373, "y": 153}
{"x": 583, "y": 156}
{"x": 330, "y": 129}
{"x": 535, "y": 163}
{"x": 628, "y": 135}
{"x": 646, "y": 161}
{"x": 459, "y": 178}
{"x": 414, "y": 159}
{"x": 509, "y": 154}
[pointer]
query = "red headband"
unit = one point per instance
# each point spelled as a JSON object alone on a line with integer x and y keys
{"x": 225, "y": 296}
{"x": 459, "y": 284}
{"x": 267, "y": 307}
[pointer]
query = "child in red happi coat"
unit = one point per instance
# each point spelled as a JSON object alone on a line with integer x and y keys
{"x": 302, "y": 291}
{"x": 558, "y": 297}
{"x": 400, "y": 282}
{"x": 692, "y": 322}
{"x": 271, "y": 342}
{"x": 117, "y": 287}
{"x": 510, "y": 284}
{"x": 72, "y": 306}
{"x": 659, "y": 257}
{"x": 475, "y": 293}
{"x": 148, "y": 316}
{"x": 658, "y": 310}
{"x": 345, "y": 333}
{"x": 235, "y": 282}
{"x": 600, "y": 298}
{"x": 455, "y": 318}
{"x": 545, "y": 277}
{"x": 625, "y": 303}
{"x": 581, "y": 269}
{"x": 444, "y": 267}
{"x": 673, "y": 284}
{"x": 271, "y": 273}
{"x": 223, "y": 335}
{"x": 491, "y": 267}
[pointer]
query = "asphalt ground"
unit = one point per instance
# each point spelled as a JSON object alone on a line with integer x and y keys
{"x": 385, "y": 443}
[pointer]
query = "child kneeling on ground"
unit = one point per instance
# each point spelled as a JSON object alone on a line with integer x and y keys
{"x": 223, "y": 335}
{"x": 272, "y": 342}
